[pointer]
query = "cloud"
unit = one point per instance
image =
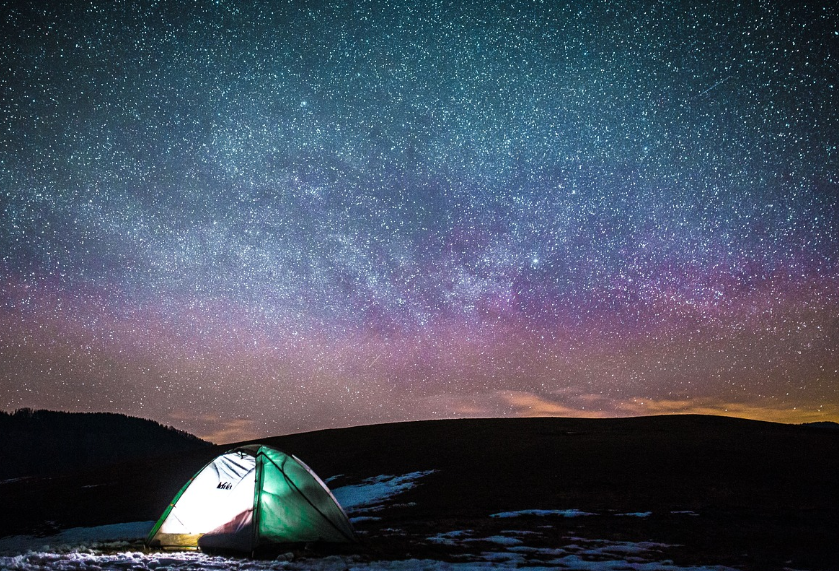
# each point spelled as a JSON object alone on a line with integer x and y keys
{"x": 216, "y": 430}
{"x": 530, "y": 404}
{"x": 568, "y": 404}
{"x": 756, "y": 410}
{"x": 502, "y": 403}
{"x": 235, "y": 430}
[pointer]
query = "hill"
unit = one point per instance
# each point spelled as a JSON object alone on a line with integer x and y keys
{"x": 726, "y": 491}
{"x": 47, "y": 443}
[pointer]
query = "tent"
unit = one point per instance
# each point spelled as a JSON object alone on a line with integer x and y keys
{"x": 251, "y": 497}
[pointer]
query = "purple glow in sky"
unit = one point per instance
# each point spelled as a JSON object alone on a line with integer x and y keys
{"x": 248, "y": 219}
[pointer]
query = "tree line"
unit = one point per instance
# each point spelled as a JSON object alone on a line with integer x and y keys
{"x": 44, "y": 442}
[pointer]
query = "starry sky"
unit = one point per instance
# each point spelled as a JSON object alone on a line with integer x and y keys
{"x": 253, "y": 218}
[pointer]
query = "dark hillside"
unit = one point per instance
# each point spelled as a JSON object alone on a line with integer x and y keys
{"x": 766, "y": 493}
{"x": 759, "y": 494}
{"x": 668, "y": 462}
{"x": 48, "y": 443}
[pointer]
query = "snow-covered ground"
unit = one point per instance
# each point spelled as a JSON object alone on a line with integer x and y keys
{"x": 374, "y": 494}
{"x": 580, "y": 554}
{"x": 371, "y": 495}
{"x": 561, "y": 513}
{"x": 102, "y": 537}
{"x": 187, "y": 561}
{"x": 509, "y": 549}
{"x": 119, "y": 547}
{"x": 578, "y": 513}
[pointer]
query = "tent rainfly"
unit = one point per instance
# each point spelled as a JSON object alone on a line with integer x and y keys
{"x": 251, "y": 497}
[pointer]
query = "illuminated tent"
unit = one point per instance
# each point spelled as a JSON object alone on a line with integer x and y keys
{"x": 249, "y": 498}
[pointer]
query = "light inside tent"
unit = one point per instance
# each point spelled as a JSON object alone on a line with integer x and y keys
{"x": 220, "y": 492}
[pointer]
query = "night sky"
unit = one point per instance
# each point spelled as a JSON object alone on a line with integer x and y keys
{"x": 253, "y": 218}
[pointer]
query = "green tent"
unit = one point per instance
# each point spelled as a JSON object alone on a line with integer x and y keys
{"x": 248, "y": 498}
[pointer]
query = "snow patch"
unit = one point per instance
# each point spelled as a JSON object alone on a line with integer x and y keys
{"x": 543, "y": 513}
{"x": 584, "y": 554}
{"x": 364, "y": 518}
{"x": 372, "y": 494}
{"x": 637, "y": 514}
{"x": 499, "y": 539}
{"x": 20, "y": 479}
{"x": 685, "y": 512}
{"x": 504, "y": 558}
{"x": 450, "y": 537}
{"x": 77, "y": 536}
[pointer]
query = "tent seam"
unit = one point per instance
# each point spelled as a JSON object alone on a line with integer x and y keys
{"x": 299, "y": 491}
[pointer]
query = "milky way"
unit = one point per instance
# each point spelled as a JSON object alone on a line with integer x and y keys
{"x": 252, "y": 218}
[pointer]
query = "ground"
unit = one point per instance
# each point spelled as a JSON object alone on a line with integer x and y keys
{"x": 649, "y": 494}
